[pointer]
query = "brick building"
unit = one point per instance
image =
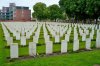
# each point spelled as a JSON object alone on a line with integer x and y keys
{"x": 15, "y": 13}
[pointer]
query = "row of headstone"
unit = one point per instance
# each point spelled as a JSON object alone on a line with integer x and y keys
{"x": 49, "y": 47}
{"x": 22, "y": 31}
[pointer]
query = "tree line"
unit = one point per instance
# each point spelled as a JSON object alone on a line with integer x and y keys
{"x": 42, "y": 12}
{"x": 78, "y": 10}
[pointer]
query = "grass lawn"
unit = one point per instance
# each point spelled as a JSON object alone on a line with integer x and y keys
{"x": 88, "y": 58}
{"x": 80, "y": 58}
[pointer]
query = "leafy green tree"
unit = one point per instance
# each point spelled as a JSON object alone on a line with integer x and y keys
{"x": 54, "y": 12}
{"x": 34, "y": 15}
{"x": 39, "y": 11}
{"x": 81, "y": 9}
{"x": 42, "y": 12}
{"x": 93, "y": 9}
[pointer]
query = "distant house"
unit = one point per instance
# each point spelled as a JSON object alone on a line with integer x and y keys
{"x": 15, "y": 13}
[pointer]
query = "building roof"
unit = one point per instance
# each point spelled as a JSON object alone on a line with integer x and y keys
{"x": 22, "y": 7}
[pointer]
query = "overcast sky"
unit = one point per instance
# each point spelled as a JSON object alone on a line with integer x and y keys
{"x": 28, "y": 3}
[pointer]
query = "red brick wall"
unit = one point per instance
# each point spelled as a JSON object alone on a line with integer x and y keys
{"x": 22, "y": 15}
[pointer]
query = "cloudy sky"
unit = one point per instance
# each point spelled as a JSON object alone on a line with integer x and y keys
{"x": 28, "y": 3}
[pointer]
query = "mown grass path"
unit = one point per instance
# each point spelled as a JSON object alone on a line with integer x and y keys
{"x": 2, "y": 47}
{"x": 89, "y": 58}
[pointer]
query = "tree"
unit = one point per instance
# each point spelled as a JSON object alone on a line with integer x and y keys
{"x": 73, "y": 8}
{"x": 42, "y": 12}
{"x": 34, "y": 14}
{"x": 81, "y": 9}
{"x": 93, "y": 9}
{"x": 39, "y": 11}
{"x": 54, "y": 12}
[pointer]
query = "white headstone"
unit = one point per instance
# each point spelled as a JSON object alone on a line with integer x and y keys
{"x": 49, "y": 47}
{"x": 76, "y": 45}
{"x": 84, "y": 37}
{"x": 32, "y": 48}
{"x": 14, "y": 50}
{"x": 63, "y": 46}
{"x": 91, "y": 35}
{"x": 35, "y": 39}
{"x": 66, "y": 37}
{"x": 9, "y": 40}
{"x": 57, "y": 39}
{"x": 23, "y": 32}
{"x": 47, "y": 38}
{"x": 88, "y": 44}
{"x": 18, "y": 36}
{"x": 98, "y": 40}
{"x": 27, "y": 35}
{"x": 75, "y": 36}
{"x": 87, "y": 32}
{"x": 23, "y": 40}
